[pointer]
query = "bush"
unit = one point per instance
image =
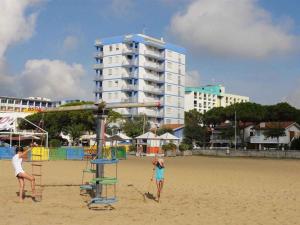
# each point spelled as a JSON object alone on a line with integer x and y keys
{"x": 184, "y": 147}
{"x": 132, "y": 148}
{"x": 295, "y": 144}
{"x": 55, "y": 143}
{"x": 169, "y": 147}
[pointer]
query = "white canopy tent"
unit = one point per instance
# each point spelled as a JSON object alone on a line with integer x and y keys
{"x": 168, "y": 137}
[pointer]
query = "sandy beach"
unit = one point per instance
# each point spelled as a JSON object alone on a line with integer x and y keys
{"x": 198, "y": 190}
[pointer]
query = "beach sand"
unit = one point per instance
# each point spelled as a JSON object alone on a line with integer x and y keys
{"x": 198, "y": 190}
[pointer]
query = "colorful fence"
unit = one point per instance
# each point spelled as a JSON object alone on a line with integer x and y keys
{"x": 57, "y": 154}
{"x": 65, "y": 153}
{"x": 6, "y": 152}
{"x": 39, "y": 153}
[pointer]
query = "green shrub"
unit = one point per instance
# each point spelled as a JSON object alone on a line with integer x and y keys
{"x": 132, "y": 148}
{"x": 184, "y": 147}
{"x": 295, "y": 144}
{"x": 55, "y": 143}
{"x": 169, "y": 147}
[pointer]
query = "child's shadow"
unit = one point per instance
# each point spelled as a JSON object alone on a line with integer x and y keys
{"x": 25, "y": 195}
{"x": 150, "y": 196}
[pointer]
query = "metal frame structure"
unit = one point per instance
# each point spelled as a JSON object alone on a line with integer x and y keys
{"x": 100, "y": 111}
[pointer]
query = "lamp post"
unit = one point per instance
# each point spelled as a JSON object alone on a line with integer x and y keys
{"x": 235, "y": 129}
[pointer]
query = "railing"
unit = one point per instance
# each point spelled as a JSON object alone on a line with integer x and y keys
{"x": 128, "y": 63}
{"x": 98, "y": 78}
{"x": 153, "y": 90}
{"x": 154, "y": 54}
{"x": 154, "y": 66}
{"x": 151, "y": 77}
{"x": 129, "y": 75}
{"x": 129, "y": 99}
{"x": 152, "y": 113}
{"x": 129, "y": 51}
{"x": 98, "y": 55}
{"x": 264, "y": 140}
{"x": 97, "y": 66}
{"x": 129, "y": 87}
{"x": 98, "y": 89}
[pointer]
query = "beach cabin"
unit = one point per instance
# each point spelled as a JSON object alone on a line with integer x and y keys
{"x": 150, "y": 143}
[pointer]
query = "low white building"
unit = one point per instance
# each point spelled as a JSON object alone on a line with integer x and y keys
{"x": 258, "y": 138}
{"x": 207, "y": 97}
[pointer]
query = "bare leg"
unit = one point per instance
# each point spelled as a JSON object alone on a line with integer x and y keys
{"x": 31, "y": 179}
{"x": 21, "y": 189}
{"x": 158, "y": 191}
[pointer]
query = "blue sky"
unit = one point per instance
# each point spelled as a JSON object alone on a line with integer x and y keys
{"x": 249, "y": 46}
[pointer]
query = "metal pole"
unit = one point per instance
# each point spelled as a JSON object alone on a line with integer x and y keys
{"x": 99, "y": 167}
{"x": 47, "y": 140}
{"x": 10, "y": 138}
{"x": 235, "y": 130}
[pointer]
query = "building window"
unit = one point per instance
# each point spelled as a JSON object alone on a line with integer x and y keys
{"x": 169, "y": 87}
{"x": 169, "y": 65}
{"x": 109, "y": 95}
{"x": 116, "y": 83}
{"x": 170, "y": 77}
{"x": 110, "y": 83}
{"x": 110, "y": 48}
{"x": 168, "y": 121}
{"x": 116, "y": 94}
{"x": 109, "y": 71}
{"x": 109, "y": 60}
{"x": 169, "y": 110}
{"x": 117, "y": 47}
{"x": 168, "y": 99}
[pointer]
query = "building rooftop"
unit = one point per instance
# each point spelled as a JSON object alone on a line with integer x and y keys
{"x": 140, "y": 38}
{"x": 208, "y": 89}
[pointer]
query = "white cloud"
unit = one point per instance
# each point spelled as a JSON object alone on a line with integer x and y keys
{"x": 53, "y": 79}
{"x": 232, "y": 28}
{"x": 15, "y": 24}
{"x": 70, "y": 43}
{"x": 294, "y": 97}
{"x": 192, "y": 79}
{"x": 47, "y": 78}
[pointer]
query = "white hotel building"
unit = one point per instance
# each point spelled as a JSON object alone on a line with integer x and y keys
{"x": 139, "y": 68}
{"x": 207, "y": 97}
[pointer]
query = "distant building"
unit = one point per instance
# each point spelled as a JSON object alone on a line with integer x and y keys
{"x": 31, "y": 104}
{"x": 260, "y": 141}
{"x": 207, "y": 97}
{"x": 138, "y": 68}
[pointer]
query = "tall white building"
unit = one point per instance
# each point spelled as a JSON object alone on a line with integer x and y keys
{"x": 207, "y": 97}
{"x": 139, "y": 68}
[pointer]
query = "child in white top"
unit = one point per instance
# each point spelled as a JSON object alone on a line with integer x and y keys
{"x": 21, "y": 174}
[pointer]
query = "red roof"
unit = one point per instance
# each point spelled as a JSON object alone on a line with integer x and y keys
{"x": 273, "y": 125}
{"x": 173, "y": 126}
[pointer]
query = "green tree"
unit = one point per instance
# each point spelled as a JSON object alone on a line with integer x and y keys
{"x": 163, "y": 130}
{"x": 78, "y": 103}
{"x": 134, "y": 127}
{"x": 194, "y": 132}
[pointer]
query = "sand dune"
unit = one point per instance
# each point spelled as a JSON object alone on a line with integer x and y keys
{"x": 198, "y": 190}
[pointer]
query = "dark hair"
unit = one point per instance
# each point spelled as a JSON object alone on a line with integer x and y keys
{"x": 19, "y": 149}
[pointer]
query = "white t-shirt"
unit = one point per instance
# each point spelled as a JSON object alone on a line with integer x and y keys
{"x": 17, "y": 163}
